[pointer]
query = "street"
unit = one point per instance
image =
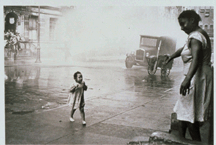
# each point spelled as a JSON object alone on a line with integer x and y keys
{"x": 121, "y": 104}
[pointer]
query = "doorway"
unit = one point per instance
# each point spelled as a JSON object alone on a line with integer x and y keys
{"x": 11, "y": 22}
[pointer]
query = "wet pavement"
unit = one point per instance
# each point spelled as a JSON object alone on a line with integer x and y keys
{"x": 122, "y": 104}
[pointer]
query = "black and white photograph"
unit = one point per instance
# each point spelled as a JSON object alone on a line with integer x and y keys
{"x": 108, "y": 74}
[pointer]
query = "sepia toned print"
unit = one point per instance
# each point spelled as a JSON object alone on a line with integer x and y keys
{"x": 137, "y": 93}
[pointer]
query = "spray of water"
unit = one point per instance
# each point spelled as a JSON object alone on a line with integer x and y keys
{"x": 113, "y": 30}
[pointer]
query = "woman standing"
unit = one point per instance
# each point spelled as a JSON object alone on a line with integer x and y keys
{"x": 195, "y": 103}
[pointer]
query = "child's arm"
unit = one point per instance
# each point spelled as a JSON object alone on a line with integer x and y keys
{"x": 84, "y": 86}
{"x": 72, "y": 88}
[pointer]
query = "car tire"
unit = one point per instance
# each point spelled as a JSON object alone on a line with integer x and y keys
{"x": 151, "y": 71}
{"x": 165, "y": 72}
{"x": 129, "y": 62}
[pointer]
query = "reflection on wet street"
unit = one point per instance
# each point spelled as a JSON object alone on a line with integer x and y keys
{"x": 120, "y": 104}
{"x": 35, "y": 88}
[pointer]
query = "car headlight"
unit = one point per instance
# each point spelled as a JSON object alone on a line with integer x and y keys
{"x": 147, "y": 54}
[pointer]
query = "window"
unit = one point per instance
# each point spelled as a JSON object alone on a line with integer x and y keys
{"x": 32, "y": 29}
{"x": 52, "y": 28}
{"x": 206, "y": 27}
{"x": 33, "y": 22}
{"x": 207, "y": 13}
{"x": 211, "y": 30}
{"x": 202, "y": 10}
{"x": 148, "y": 41}
{"x": 201, "y": 26}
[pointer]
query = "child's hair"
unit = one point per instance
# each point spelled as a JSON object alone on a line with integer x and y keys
{"x": 75, "y": 74}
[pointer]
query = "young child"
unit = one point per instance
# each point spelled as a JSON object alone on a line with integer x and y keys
{"x": 76, "y": 96}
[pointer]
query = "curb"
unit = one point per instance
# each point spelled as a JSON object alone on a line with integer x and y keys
{"x": 171, "y": 139}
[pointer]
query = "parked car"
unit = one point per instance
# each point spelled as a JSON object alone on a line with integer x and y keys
{"x": 152, "y": 53}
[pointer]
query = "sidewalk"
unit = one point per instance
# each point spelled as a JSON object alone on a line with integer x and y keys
{"x": 106, "y": 123}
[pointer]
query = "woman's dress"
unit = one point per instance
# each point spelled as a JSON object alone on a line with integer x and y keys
{"x": 197, "y": 105}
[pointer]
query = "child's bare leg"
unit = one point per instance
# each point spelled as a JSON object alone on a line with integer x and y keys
{"x": 72, "y": 112}
{"x": 82, "y": 113}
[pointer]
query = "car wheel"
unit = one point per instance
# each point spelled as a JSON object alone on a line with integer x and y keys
{"x": 165, "y": 72}
{"x": 129, "y": 62}
{"x": 151, "y": 70}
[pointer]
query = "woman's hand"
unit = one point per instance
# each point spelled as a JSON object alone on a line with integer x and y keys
{"x": 185, "y": 85}
{"x": 168, "y": 59}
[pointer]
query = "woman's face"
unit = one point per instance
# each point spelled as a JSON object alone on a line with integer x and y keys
{"x": 186, "y": 25}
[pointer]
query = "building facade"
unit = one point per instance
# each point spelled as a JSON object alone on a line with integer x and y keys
{"x": 35, "y": 24}
{"x": 24, "y": 19}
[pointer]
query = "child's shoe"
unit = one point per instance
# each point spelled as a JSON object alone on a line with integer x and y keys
{"x": 83, "y": 122}
{"x": 71, "y": 119}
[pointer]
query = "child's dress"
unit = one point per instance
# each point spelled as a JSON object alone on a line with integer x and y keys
{"x": 76, "y": 98}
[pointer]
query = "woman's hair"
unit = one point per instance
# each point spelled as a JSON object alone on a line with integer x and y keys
{"x": 75, "y": 74}
{"x": 190, "y": 14}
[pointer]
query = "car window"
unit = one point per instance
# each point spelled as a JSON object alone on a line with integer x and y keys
{"x": 148, "y": 41}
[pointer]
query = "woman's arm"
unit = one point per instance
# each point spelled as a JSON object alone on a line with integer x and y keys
{"x": 177, "y": 53}
{"x": 196, "y": 47}
{"x": 174, "y": 55}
